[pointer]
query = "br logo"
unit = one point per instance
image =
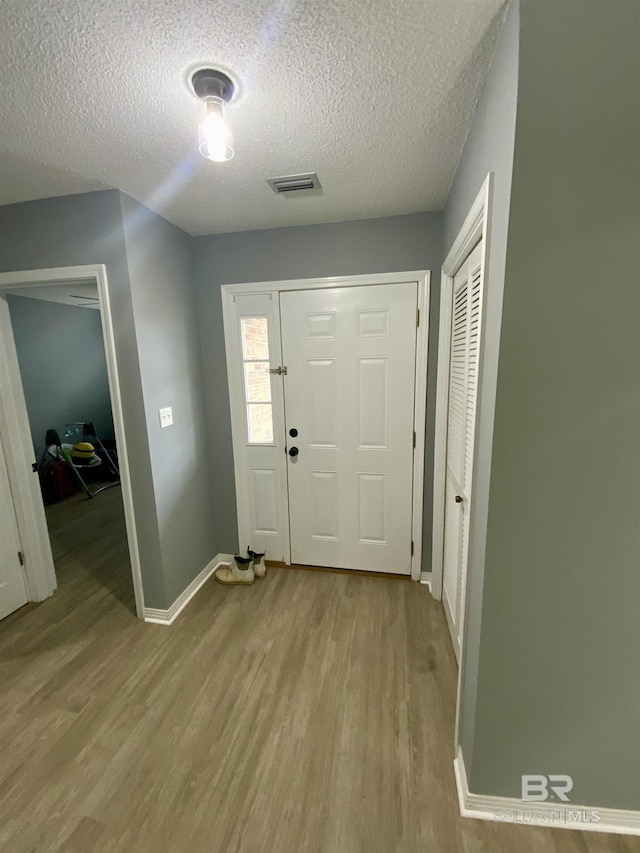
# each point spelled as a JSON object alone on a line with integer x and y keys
{"x": 535, "y": 788}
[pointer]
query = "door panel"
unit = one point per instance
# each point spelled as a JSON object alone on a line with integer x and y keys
{"x": 324, "y": 505}
{"x": 463, "y": 387}
{"x": 264, "y": 494}
{"x": 373, "y": 403}
{"x": 349, "y": 392}
{"x": 372, "y": 501}
{"x": 320, "y": 393}
{"x": 13, "y": 591}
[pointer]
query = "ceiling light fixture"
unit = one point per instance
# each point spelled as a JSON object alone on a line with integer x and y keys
{"x": 216, "y": 89}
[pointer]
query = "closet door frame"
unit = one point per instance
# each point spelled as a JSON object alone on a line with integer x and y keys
{"x": 475, "y": 228}
{"x": 422, "y": 277}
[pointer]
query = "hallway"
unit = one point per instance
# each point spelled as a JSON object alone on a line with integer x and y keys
{"x": 309, "y": 712}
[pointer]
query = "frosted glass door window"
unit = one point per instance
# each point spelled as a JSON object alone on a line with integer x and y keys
{"x": 257, "y": 381}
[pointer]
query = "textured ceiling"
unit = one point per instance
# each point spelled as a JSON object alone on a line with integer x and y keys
{"x": 74, "y": 293}
{"x": 376, "y": 96}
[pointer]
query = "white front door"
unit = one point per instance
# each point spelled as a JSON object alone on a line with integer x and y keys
{"x": 463, "y": 388}
{"x": 13, "y": 591}
{"x": 349, "y": 406}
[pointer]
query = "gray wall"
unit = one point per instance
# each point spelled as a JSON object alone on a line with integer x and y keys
{"x": 390, "y": 244}
{"x": 87, "y": 229}
{"x": 160, "y": 262}
{"x": 62, "y": 366}
{"x": 559, "y": 680}
{"x": 489, "y": 148}
{"x": 151, "y": 286}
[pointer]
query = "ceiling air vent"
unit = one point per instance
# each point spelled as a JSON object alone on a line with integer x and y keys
{"x": 294, "y": 183}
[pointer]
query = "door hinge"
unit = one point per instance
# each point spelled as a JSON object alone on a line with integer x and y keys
{"x": 279, "y": 371}
{"x": 417, "y": 316}
{"x": 414, "y": 438}
{"x": 21, "y": 558}
{"x": 412, "y": 547}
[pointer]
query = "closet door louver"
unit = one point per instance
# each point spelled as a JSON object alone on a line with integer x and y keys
{"x": 463, "y": 388}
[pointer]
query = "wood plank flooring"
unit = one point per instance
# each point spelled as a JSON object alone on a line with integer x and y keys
{"x": 309, "y": 713}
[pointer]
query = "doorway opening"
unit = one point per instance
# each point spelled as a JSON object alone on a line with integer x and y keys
{"x": 63, "y": 434}
{"x": 327, "y": 385}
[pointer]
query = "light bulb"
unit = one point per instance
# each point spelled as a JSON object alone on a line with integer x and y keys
{"x": 216, "y": 142}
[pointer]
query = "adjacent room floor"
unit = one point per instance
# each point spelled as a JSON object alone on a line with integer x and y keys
{"x": 89, "y": 544}
{"x": 309, "y": 712}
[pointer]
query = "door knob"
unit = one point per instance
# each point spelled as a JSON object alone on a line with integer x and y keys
{"x": 458, "y": 499}
{"x": 293, "y": 451}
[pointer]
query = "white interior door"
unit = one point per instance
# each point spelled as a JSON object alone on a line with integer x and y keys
{"x": 13, "y": 590}
{"x": 463, "y": 386}
{"x": 349, "y": 402}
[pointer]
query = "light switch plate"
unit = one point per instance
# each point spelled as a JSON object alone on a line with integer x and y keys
{"x": 166, "y": 417}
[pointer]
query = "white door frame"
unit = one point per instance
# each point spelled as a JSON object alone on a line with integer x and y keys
{"x": 14, "y": 427}
{"x": 422, "y": 278}
{"x": 476, "y": 227}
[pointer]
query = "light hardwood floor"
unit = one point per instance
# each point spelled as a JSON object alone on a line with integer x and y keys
{"x": 309, "y": 713}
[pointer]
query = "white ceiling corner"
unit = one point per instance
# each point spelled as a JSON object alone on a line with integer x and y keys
{"x": 376, "y": 96}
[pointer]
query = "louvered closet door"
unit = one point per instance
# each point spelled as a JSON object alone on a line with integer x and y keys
{"x": 463, "y": 386}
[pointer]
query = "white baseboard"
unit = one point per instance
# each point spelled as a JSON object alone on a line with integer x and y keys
{"x": 425, "y": 578}
{"x": 553, "y": 815}
{"x": 166, "y": 617}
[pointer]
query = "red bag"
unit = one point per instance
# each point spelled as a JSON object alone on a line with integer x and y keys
{"x": 57, "y": 481}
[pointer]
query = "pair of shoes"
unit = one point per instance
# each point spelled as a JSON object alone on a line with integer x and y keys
{"x": 243, "y": 571}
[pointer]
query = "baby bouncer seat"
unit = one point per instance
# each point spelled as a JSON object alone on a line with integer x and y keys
{"x": 79, "y": 452}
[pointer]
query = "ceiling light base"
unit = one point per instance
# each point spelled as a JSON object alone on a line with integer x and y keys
{"x": 211, "y": 83}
